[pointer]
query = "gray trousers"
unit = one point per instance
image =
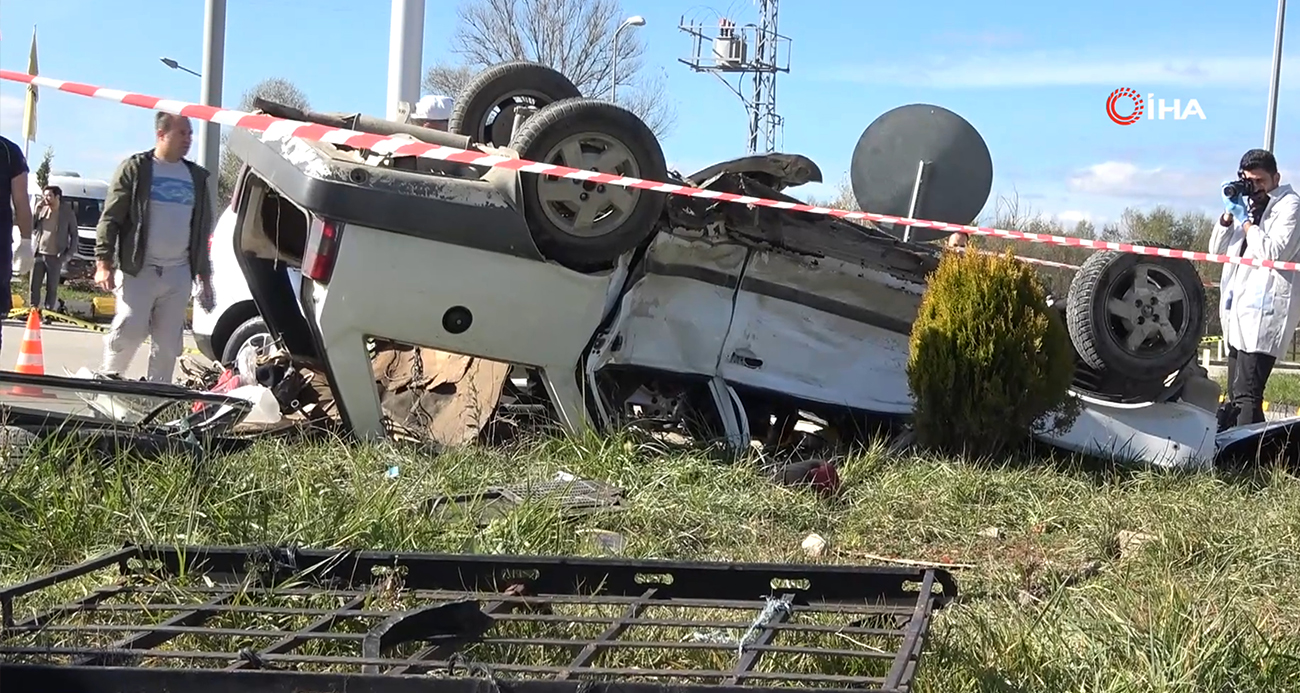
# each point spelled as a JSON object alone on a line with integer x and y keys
{"x": 45, "y": 274}
{"x": 151, "y": 304}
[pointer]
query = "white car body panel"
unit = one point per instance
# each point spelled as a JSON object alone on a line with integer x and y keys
{"x": 1174, "y": 435}
{"x": 819, "y": 355}
{"x": 1237, "y": 434}
{"x": 670, "y": 322}
{"x": 228, "y": 284}
{"x": 785, "y": 347}
{"x": 524, "y": 312}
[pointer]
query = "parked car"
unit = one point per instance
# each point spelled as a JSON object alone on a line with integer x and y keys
{"x": 735, "y": 321}
{"x": 233, "y": 322}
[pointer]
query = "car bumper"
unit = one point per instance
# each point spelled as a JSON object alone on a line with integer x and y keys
{"x": 203, "y": 342}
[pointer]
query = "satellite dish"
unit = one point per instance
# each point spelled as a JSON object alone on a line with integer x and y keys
{"x": 958, "y": 175}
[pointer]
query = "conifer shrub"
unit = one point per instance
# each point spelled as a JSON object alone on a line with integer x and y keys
{"x": 990, "y": 362}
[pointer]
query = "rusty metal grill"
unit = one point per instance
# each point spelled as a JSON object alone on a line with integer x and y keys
{"x": 199, "y": 619}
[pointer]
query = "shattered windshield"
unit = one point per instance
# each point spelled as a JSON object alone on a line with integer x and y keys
{"x": 130, "y": 403}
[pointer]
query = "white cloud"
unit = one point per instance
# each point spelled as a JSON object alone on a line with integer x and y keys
{"x": 1062, "y": 68}
{"x": 1125, "y": 179}
{"x": 1071, "y": 216}
{"x": 11, "y": 113}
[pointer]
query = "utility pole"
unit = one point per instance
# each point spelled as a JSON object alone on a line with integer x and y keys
{"x": 405, "y": 54}
{"x": 214, "y": 58}
{"x": 727, "y": 52}
{"x": 1271, "y": 125}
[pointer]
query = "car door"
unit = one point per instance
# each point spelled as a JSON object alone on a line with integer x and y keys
{"x": 821, "y": 329}
{"x": 678, "y": 305}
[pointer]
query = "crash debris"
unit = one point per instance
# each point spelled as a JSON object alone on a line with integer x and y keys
{"x": 205, "y": 619}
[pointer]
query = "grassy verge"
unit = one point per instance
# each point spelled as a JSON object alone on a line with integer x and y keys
{"x": 1282, "y": 388}
{"x": 1207, "y": 600}
{"x": 70, "y": 291}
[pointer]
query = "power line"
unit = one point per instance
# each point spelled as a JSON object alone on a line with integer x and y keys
{"x": 727, "y": 53}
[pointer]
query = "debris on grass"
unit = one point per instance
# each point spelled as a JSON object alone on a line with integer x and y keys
{"x": 813, "y": 545}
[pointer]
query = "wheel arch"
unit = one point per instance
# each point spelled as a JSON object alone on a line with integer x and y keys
{"x": 230, "y": 320}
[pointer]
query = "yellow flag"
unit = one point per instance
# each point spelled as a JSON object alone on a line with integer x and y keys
{"x": 29, "y": 104}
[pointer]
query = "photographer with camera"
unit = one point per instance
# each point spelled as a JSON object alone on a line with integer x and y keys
{"x": 1258, "y": 306}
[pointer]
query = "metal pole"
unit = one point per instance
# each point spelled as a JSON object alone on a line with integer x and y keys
{"x": 405, "y": 51}
{"x": 214, "y": 57}
{"x": 634, "y": 20}
{"x": 613, "y": 68}
{"x": 915, "y": 205}
{"x": 1271, "y": 126}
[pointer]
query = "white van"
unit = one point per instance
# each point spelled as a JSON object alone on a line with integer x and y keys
{"x": 87, "y": 197}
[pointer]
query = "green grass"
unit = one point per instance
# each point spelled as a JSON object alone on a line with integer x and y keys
{"x": 1211, "y": 604}
{"x": 67, "y": 293}
{"x": 1283, "y": 388}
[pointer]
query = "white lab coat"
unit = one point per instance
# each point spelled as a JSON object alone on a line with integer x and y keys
{"x": 1259, "y": 306}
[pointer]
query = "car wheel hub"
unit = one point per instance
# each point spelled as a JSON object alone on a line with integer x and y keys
{"x": 586, "y": 208}
{"x": 1149, "y": 316}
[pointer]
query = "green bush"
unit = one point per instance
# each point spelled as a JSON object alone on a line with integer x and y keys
{"x": 990, "y": 362}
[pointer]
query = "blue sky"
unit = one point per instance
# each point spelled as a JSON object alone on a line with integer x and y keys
{"x": 1032, "y": 77}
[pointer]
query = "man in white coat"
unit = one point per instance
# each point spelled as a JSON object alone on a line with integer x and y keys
{"x": 1258, "y": 306}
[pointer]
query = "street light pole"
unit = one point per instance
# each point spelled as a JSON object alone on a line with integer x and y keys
{"x": 634, "y": 20}
{"x": 405, "y": 49}
{"x": 1271, "y": 125}
{"x": 214, "y": 57}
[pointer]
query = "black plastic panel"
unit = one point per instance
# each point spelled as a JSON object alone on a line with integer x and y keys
{"x": 392, "y": 200}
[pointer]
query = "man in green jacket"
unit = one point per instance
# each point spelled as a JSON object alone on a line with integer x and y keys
{"x": 152, "y": 246}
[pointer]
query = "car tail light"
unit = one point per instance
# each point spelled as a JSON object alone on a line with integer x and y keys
{"x": 322, "y": 250}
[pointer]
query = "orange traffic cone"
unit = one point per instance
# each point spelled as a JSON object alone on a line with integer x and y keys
{"x": 31, "y": 358}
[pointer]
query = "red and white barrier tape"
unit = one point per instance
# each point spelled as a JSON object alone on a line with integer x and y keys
{"x": 283, "y": 128}
{"x": 1062, "y": 265}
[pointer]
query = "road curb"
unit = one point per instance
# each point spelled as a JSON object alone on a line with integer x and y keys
{"x": 83, "y": 314}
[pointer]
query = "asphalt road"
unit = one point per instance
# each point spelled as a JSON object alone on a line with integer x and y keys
{"x": 68, "y": 347}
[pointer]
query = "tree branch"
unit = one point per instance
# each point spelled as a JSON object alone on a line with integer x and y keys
{"x": 575, "y": 37}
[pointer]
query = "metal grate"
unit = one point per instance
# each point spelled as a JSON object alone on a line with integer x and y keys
{"x": 260, "y": 620}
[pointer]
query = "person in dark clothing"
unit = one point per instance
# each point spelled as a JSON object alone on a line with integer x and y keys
{"x": 15, "y": 211}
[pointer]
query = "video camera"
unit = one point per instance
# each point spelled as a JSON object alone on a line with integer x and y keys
{"x": 1240, "y": 188}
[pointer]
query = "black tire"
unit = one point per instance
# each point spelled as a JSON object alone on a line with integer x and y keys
{"x": 1097, "y": 333}
{"x": 247, "y": 330}
{"x": 500, "y": 86}
{"x": 539, "y": 140}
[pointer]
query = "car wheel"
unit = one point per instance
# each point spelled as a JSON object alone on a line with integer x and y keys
{"x": 485, "y": 108}
{"x": 1136, "y": 316}
{"x": 583, "y": 225}
{"x": 252, "y": 331}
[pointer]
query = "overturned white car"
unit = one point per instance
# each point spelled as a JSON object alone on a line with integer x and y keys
{"x": 732, "y": 321}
